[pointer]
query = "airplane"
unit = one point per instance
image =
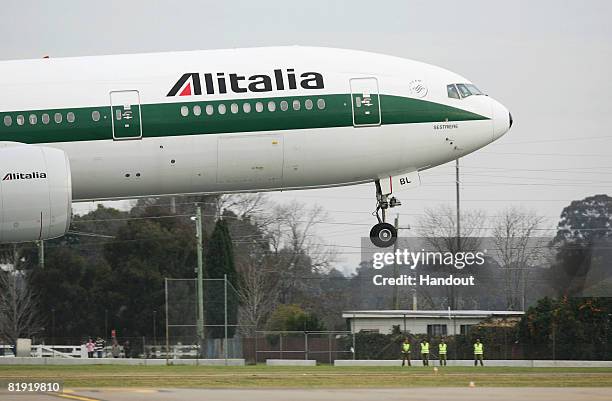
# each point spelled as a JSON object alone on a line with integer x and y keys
{"x": 226, "y": 121}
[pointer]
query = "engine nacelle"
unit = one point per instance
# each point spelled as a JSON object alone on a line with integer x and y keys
{"x": 35, "y": 193}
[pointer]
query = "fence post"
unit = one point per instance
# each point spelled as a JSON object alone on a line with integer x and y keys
{"x": 305, "y": 345}
{"x": 554, "y": 341}
{"x": 256, "y": 349}
{"x": 281, "y": 345}
{"x": 329, "y": 347}
{"x": 167, "y": 336}
{"x": 354, "y": 346}
{"x": 505, "y": 344}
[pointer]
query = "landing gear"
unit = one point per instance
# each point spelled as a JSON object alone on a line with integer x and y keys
{"x": 383, "y": 234}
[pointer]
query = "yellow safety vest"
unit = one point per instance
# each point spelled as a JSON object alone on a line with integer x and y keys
{"x": 442, "y": 349}
{"x": 406, "y": 347}
{"x": 424, "y": 348}
{"x": 478, "y": 349}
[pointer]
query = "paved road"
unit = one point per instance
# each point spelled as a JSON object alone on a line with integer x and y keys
{"x": 421, "y": 394}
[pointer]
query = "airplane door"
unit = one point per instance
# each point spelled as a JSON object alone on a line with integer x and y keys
{"x": 365, "y": 101}
{"x": 254, "y": 160}
{"x": 126, "y": 117}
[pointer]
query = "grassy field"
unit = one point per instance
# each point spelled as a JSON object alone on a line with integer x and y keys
{"x": 308, "y": 377}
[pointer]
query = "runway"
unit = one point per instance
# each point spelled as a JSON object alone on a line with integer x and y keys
{"x": 421, "y": 394}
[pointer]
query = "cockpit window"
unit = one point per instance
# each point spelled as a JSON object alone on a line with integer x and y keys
{"x": 465, "y": 92}
{"x": 458, "y": 91}
{"x": 474, "y": 90}
{"x": 452, "y": 91}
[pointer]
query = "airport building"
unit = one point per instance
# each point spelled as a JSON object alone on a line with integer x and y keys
{"x": 431, "y": 322}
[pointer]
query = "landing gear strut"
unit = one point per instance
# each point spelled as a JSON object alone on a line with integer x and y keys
{"x": 383, "y": 234}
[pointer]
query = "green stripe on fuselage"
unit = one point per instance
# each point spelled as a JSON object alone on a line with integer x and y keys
{"x": 165, "y": 119}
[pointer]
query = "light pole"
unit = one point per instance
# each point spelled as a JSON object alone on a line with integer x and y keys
{"x": 200, "y": 284}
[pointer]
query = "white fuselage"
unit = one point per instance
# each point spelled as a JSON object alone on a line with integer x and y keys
{"x": 269, "y": 149}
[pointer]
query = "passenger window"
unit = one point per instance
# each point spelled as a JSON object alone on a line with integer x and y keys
{"x": 20, "y": 120}
{"x": 70, "y": 117}
{"x": 58, "y": 117}
{"x": 184, "y": 111}
{"x": 197, "y": 110}
{"x": 321, "y": 104}
{"x": 234, "y": 108}
{"x": 8, "y": 121}
{"x": 452, "y": 91}
{"x": 33, "y": 119}
{"x": 259, "y": 107}
{"x": 210, "y": 109}
{"x": 465, "y": 92}
{"x": 246, "y": 107}
{"x": 95, "y": 115}
{"x": 296, "y": 105}
{"x": 284, "y": 105}
{"x": 308, "y": 104}
{"x": 271, "y": 106}
{"x": 45, "y": 119}
{"x": 221, "y": 109}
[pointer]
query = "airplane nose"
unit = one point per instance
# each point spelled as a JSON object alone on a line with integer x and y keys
{"x": 502, "y": 119}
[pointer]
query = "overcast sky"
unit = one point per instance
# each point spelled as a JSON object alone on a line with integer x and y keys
{"x": 548, "y": 61}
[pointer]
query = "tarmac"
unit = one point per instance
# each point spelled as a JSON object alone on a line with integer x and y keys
{"x": 421, "y": 394}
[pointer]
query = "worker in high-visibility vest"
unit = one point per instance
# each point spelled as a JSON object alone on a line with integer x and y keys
{"x": 478, "y": 352}
{"x": 406, "y": 352}
{"x": 442, "y": 352}
{"x": 425, "y": 352}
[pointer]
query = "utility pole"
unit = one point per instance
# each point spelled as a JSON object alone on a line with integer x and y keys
{"x": 225, "y": 317}
{"x": 41, "y": 254}
{"x": 453, "y": 295}
{"x": 395, "y": 268}
{"x": 200, "y": 328}
{"x": 458, "y": 206}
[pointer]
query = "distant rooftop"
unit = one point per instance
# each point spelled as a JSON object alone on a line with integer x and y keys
{"x": 401, "y": 313}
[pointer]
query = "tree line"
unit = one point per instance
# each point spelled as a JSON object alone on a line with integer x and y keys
{"x": 108, "y": 272}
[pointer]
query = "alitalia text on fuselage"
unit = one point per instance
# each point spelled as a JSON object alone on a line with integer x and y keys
{"x": 194, "y": 83}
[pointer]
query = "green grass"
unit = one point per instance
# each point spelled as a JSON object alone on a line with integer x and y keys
{"x": 262, "y": 376}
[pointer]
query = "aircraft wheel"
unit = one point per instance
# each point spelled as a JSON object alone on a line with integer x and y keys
{"x": 383, "y": 235}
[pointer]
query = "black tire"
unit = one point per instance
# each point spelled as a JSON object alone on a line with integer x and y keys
{"x": 383, "y": 235}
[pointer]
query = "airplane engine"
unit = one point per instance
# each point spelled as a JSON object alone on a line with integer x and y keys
{"x": 35, "y": 193}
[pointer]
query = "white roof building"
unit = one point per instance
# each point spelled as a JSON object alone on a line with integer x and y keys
{"x": 431, "y": 322}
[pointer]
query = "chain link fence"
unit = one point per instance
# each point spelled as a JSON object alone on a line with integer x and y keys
{"x": 202, "y": 325}
{"x": 322, "y": 346}
{"x": 219, "y": 335}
